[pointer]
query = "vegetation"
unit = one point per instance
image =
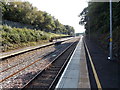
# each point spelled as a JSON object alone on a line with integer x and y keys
{"x": 13, "y": 38}
{"x": 95, "y": 17}
{"x": 25, "y": 13}
{"x": 46, "y": 27}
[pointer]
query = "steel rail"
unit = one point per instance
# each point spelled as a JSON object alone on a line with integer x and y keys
{"x": 22, "y": 63}
{"x": 27, "y": 51}
{"x": 39, "y": 73}
{"x": 60, "y": 72}
{"x": 2, "y": 57}
{"x": 11, "y": 75}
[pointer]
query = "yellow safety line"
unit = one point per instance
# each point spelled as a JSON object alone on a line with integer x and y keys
{"x": 94, "y": 71}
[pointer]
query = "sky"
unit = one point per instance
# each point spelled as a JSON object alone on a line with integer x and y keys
{"x": 66, "y": 11}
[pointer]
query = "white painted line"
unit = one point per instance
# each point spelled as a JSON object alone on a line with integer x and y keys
{"x": 67, "y": 66}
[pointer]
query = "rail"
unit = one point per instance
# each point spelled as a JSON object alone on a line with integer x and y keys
{"x": 49, "y": 66}
{"x": 31, "y": 49}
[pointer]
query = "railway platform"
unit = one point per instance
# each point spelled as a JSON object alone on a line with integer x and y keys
{"x": 75, "y": 74}
{"x": 107, "y": 71}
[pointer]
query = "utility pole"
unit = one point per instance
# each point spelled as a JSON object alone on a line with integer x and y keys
{"x": 110, "y": 46}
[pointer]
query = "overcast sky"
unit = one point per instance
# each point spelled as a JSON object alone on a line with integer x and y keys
{"x": 66, "y": 11}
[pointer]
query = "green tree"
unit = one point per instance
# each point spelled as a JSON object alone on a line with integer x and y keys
{"x": 95, "y": 18}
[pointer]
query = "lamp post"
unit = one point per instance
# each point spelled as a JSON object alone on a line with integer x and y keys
{"x": 110, "y": 46}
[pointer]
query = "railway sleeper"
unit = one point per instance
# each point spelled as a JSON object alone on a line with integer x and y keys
{"x": 42, "y": 83}
{"x": 45, "y": 79}
{"x": 47, "y": 75}
{"x": 53, "y": 69}
{"x": 59, "y": 63}
{"x": 53, "y": 66}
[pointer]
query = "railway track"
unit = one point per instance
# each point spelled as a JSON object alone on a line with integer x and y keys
{"x": 28, "y": 66}
{"x": 2, "y": 57}
{"x": 48, "y": 77}
{"x": 20, "y": 62}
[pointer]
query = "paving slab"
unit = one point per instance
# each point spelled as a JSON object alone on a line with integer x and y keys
{"x": 74, "y": 76}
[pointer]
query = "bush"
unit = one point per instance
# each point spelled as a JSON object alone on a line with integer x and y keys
{"x": 37, "y": 36}
{"x": 44, "y": 37}
{"x": 23, "y": 37}
{"x": 7, "y": 29}
{"x": 15, "y": 37}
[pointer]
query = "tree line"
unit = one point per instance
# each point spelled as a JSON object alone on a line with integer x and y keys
{"x": 96, "y": 18}
{"x": 25, "y": 13}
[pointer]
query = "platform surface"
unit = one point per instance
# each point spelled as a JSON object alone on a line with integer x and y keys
{"x": 108, "y": 71}
{"x": 75, "y": 74}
